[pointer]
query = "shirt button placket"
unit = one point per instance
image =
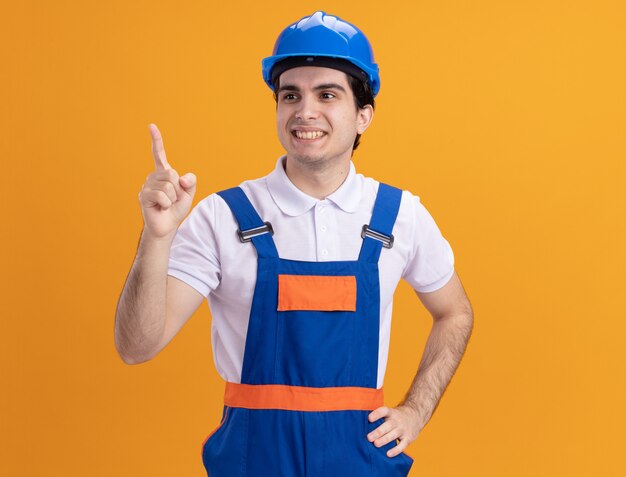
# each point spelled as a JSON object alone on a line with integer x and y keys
{"x": 321, "y": 213}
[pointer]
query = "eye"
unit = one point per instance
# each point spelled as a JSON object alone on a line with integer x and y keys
{"x": 328, "y": 95}
{"x": 289, "y": 97}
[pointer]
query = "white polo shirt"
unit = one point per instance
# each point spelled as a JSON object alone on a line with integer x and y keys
{"x": 207, "y": 254}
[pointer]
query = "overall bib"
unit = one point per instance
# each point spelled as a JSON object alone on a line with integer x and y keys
{"x": 310, "y": 364}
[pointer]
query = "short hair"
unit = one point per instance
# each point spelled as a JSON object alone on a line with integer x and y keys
{"x": 361, "y": 90}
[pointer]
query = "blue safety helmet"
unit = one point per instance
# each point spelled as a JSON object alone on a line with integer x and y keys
{"x": 323, "y": 40}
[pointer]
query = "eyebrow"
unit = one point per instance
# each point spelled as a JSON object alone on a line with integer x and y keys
{"x": 293, "y": 87}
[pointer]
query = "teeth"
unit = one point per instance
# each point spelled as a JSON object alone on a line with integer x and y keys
{"x": 308, "y": 134}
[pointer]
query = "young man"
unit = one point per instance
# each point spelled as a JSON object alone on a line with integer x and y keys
{"x": 299, "y": 268}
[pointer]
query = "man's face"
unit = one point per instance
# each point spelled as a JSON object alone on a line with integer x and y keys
{"x": 316, "y": 115}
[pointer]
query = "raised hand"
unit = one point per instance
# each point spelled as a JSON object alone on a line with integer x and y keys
{"x": 165, "y": 197}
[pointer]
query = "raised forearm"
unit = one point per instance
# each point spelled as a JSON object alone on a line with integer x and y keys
{"x": 140, "y": 317}
{"x": 140, "y": 314}
{"x": 443, "y": 352}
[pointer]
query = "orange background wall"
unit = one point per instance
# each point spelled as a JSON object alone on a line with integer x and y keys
{"x": 506, "y": 117}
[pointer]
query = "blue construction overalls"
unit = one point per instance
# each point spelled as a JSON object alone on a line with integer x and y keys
{"x": 310, "y": 364}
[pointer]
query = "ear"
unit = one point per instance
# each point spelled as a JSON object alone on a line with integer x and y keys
{"x": 365, "y": 115}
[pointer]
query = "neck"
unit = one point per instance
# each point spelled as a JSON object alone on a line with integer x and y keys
{"x": 315, "y": 179}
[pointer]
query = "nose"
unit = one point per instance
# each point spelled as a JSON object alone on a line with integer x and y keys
{"x": 307, "y": 108}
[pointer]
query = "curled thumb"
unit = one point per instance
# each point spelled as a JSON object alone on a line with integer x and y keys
{"x": 188, "y": 181}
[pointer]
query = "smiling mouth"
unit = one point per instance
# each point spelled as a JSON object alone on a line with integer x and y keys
{"x": 308, "y": 134}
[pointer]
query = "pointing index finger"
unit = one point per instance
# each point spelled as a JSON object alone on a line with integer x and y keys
{"x": 158, "y": 151}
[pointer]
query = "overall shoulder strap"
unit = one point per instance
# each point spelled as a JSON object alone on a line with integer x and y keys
{"x": 251, "y": 227}
{"x": 377, "y": 234}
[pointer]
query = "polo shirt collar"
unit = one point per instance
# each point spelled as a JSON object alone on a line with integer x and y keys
{"x": 292, "y": 201}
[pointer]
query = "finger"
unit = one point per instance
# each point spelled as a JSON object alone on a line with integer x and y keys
{"x": 392, "y": 435}
{"x": 158, "y": 179}
{"x": 158, "y": 151}
{"x": 152, "y": 198}
{"x": 380, "y": 431}
{"x": 394, "y": 451}
{"x": 168, "y": 188}
{"x": 378, "y": 413}
{"x": 164, "y": 175}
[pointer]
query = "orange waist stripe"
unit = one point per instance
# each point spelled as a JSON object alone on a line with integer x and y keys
{"x": 302, "y": 398}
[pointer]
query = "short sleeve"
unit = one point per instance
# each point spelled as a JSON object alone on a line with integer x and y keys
{"x": 193, "y": 257}
{"x": 432, "y": 262}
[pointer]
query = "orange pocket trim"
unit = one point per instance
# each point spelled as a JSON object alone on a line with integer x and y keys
{"x": 316, "y": 292}
{"x": 302, "y": 398}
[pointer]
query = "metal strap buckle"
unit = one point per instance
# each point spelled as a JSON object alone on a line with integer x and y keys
{"x": 387, "y": 240}
{"x": 246, "y": 235}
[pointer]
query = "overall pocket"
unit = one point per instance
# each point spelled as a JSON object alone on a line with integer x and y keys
{"x": 214, "y": 431}
{"x": 224, "y": 450}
